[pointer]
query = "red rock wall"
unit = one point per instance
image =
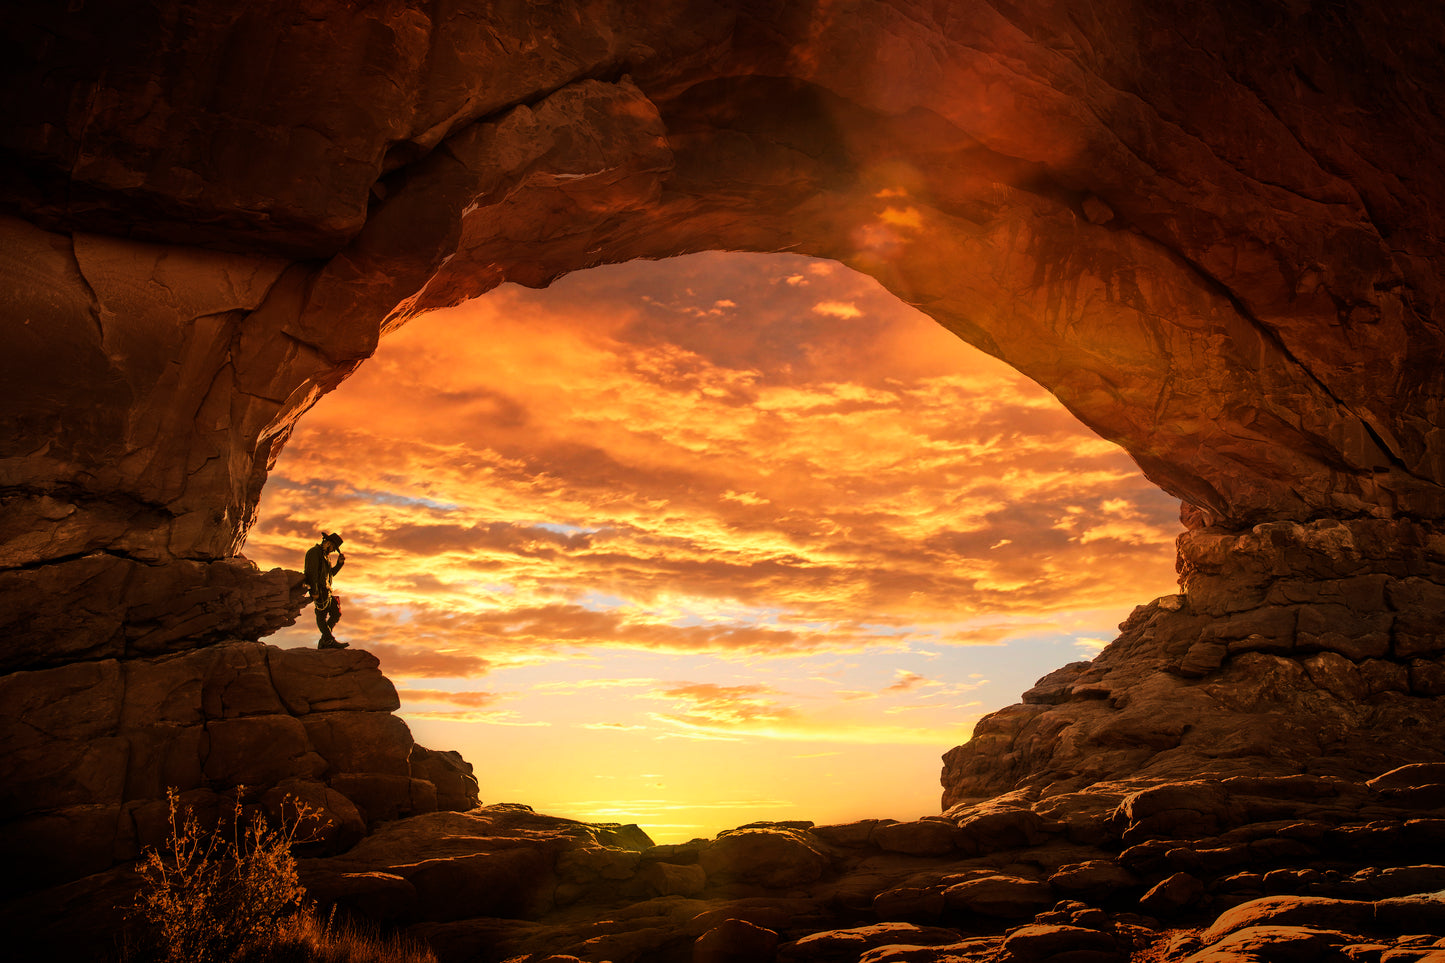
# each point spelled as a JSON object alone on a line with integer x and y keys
{"x": 88, "y": 751}
{"x": 1212, "y": 232}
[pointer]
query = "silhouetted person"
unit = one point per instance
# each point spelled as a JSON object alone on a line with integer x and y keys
{"x": 319, "y": 572}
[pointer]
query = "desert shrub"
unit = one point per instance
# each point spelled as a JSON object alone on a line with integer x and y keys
{"x": 210, "y": 894}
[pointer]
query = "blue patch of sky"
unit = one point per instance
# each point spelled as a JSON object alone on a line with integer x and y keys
{"x": 600, "y": 602}
{"x": 564, "y": 529}
{"x": 408, "y": 501}
{"x": 890, "y": 631}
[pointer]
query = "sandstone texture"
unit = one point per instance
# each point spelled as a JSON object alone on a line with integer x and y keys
{"x": 1213, "y": 231}
{"x": 1290, "y": 868}
{"x": 1294, "y": 649}
{"x": 88, "y": 751}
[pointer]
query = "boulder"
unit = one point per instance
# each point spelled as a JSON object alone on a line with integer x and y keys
{"x": 1094, "y": 879}
{"x": 1172, "y": 894}
{"x": 456, "y": 786}
{"x": 1065, "y": 943}
{"x": 1009, "y": 897}
{"x": 1274, "y": 943}
{"x": 849, "y": 944}
{"x": 924, "y": 837}
{"x": 734, "y": 941}
{"x": 776, "y": 859}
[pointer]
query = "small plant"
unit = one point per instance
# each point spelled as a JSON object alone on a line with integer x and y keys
{"x": 211, "y": 895}
{"x": 306, "y": 938}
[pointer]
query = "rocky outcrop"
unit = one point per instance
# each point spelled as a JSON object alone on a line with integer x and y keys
{"x": 1293, "y": 649}
{"x": 103, "y": 607}
{"x": 88, "y": 751}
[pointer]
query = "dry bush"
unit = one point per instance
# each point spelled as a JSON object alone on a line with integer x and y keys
{"x": 232, "y": 895}
{"x": 209, "y": 895}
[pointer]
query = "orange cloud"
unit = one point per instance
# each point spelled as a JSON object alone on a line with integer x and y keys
{"x": 610, "y": 466}
{"x": 474, "y": 700}
{"x": 838, "y": 309}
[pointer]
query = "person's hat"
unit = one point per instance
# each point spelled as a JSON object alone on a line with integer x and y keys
{"x": 333, "y": 538}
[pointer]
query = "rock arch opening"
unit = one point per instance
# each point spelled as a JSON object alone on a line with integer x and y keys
{"x": 657, "y": 538}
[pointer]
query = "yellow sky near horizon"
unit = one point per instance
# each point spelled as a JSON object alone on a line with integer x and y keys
{"x": 727, "y": 528}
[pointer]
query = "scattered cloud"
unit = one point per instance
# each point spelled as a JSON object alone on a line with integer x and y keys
{"x": 838, "y": 309}
{"x": 474, "y": 700}
{"x": 907, "y": 681}
{"x": 621, "y": 464}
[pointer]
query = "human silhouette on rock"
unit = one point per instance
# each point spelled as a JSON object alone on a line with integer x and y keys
{"x": 319, "y": 572}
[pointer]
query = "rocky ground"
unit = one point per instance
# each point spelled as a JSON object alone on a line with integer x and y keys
{"x": 1293, "y": 868}
{"x": 1252, "y": 868}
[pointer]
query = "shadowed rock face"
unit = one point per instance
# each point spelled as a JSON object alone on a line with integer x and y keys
{"x": 1211, "y": 232}
{"x": 88, "y": 750}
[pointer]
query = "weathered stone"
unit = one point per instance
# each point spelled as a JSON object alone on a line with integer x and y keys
{"x": 381, "y": 796}
{"x": 1336, "y": 675}
{"x": 849, "y": 944}
{"x": 924, "y": 837}
{"x": 1427, "y": 678}
{"x": 909, "y": 903}
{"x": 311, "y": 680}
{"x": 317, "y": 813}
{"x": 777, "y": 859}
{"x": 1095, "y": 878}
{"x": 1417, "y": 603}
{"x": 1409, "y": 777}
{"x": 1172, "y": 894}
{"x": 456, "y": 787}
{"x": 1274, "y": 942}
{"x": 1002, "y": 827}
{"x": 260, "y": 751}
{"x": 1337, "y": 628}
{"x": 380, "y": 896}
{"x": 1005, "y": 896}
{"x": 1203, "y": 658}
{"x": 734, "y": 941}
{"x": 854, "y": 835}
{"x": 1030, "y": 943}
{"x": 374, "y": 742}
{"x": 1195, "y": 808}
{"x": 670, "y": 879}
{"x": 588, "y": 864}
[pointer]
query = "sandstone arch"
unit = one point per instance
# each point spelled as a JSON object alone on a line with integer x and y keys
{"x": 1213, "y": 233}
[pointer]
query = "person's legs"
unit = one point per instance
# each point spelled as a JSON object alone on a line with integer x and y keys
{"x": 322, "y": 613}
{"x": 326, "y": 619}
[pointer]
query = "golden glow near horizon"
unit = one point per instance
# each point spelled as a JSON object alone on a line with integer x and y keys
{"x": 704, "y": 541}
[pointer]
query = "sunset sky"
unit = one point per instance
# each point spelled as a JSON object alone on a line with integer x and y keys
{"x": 711, "y": 540}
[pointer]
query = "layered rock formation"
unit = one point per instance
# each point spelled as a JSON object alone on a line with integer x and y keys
{"x": 1293, "y": 649}
{"x": 88, "y": 751}
{"x": 1247, "y": 868}
{"x": 1213, "y": 232}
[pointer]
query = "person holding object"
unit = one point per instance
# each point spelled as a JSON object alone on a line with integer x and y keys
{"x": 319, "y": 573}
